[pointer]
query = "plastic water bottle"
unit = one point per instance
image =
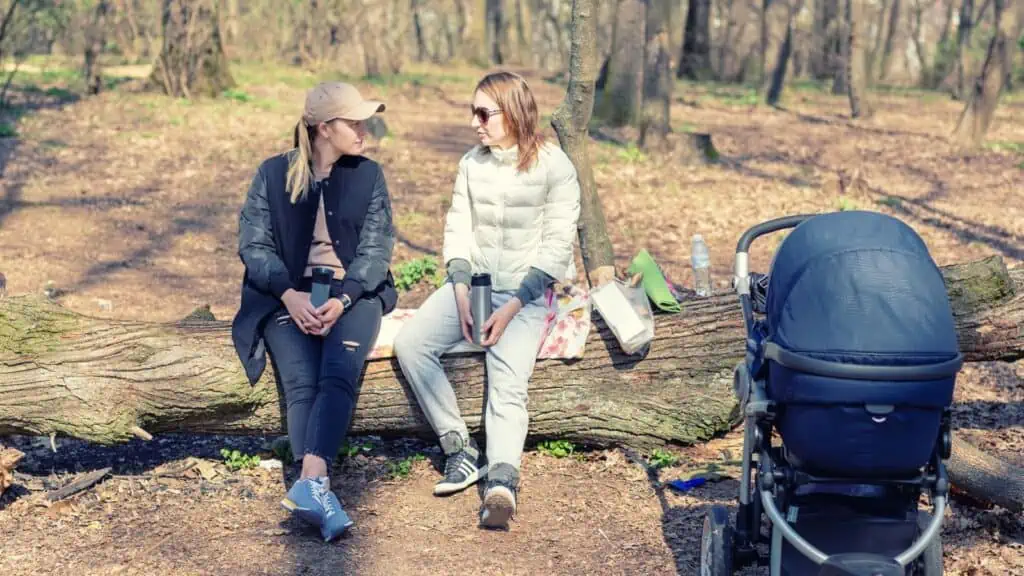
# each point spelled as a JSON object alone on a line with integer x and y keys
{"x": 701, "y": 260}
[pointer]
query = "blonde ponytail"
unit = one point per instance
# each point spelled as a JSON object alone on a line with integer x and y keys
{"x": 299, "y": 172}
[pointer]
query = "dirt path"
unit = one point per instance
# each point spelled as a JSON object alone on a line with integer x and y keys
{"x": 127, "y": 205}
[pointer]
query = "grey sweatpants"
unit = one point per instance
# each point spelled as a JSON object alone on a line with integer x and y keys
{"x": 434, "y": 330}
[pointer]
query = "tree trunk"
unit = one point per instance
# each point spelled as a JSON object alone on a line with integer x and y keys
{"x": 571, "y": 121}
{"x": 656, "y": 120}
{"x": 497, "y": 31}
{"x": 841, "y": 60}
{"x": 890, "y": 40}
{"x": 192, "y": 61}
{"x": 827, "y": 27}
{"x": 95, "y": 39}
{"x": 981, "y": 107}
{"x": 101, "y": 379}
{"x": 856, "y": 70}
{"x": 963, "y": 40}
{"x": 695, "y": 55}
{"x": 108, "y": 380}
{"x": 782, "y": 62}
{"x": 622, "y": 97}
{"x": 989, "y": 479}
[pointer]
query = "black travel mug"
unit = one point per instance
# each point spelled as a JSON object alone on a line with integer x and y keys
{"x": 321, "y": 290}
{"x": 480, "y": 303}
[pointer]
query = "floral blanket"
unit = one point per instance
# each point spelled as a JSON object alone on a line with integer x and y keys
{"x": 566, "y": 329}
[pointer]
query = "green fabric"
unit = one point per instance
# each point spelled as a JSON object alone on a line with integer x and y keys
{"x": 654, "y": 282}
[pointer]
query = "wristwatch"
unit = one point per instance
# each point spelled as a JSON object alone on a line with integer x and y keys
{"x": 346, "y": 302}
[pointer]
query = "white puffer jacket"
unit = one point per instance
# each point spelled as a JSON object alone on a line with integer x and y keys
{"x": 504, "y": 222}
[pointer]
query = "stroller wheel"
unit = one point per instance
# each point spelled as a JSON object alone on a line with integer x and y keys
{"x": 929, "y": 563}
{"x": 716, "y": 543}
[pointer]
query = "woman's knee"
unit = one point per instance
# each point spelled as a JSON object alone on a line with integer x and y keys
{"x": 300, "y": 386}
{"x": 410, "y": 342}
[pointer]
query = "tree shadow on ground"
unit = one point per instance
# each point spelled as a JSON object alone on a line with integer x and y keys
{"x": 22, "y": 101}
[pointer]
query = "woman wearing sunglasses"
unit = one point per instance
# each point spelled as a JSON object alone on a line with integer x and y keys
{"x": 513, "y": 216}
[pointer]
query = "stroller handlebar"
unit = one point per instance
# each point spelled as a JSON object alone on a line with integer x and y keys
{"x": 741, "y": 272}
{"x": 768, "y": 227}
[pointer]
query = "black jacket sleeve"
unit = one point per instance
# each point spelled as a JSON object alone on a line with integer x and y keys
{"x": 263, "y": 266}
{"x": 369, "y": 269}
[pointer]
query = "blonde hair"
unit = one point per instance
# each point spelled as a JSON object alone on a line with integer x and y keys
{"x": 519, "y": 112}
{"x": 300, "y": 171}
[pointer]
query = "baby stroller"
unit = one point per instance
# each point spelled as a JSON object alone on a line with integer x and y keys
{"x": 851, "y": 359}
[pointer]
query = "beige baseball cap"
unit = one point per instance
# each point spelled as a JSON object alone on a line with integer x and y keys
{"x": 330, "y": 100}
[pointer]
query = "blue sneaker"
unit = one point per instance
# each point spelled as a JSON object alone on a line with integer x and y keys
{"x": 312, "y": 500}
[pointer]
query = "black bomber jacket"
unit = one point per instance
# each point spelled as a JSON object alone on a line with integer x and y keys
{"x": 274, "y": 238}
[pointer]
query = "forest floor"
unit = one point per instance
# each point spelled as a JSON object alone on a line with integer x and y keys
{"x": 125, "y": 205}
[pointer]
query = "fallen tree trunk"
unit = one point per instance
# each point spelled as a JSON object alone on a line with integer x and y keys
{"x": 985, "y": 478}
{"x": 107, "y": 380}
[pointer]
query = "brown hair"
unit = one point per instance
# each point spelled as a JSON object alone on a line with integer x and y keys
{"x": 519, "y": 112}
{"x": 300, "y": 173}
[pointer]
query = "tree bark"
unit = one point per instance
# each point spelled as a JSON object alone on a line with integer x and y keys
{"x": 695, "y": 54}
{"x": 856, "y": 69}
{"x": 985, "y": 478}
{"x": 497, "y": 31}
{"x": 963, "y": 40}
{"x": 782, "y": 62}
{"x": 656, "y": 118}
{"x": 890, "y": 40}
{"x": 981, "y": 107}
{"x": 192, "y": 61}
{"x": 622, "y": 97}
{"x": 571, "y": 121}
{"x": 108, "y": 380}
{"x": 841, "y": 60}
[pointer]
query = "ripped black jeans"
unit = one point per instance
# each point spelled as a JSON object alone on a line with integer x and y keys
{"x": 320, "y": 375}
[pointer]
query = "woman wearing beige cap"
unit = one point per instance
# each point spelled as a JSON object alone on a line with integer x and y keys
{"x": 320, "y": 205}
{"x": 513, "y": 218}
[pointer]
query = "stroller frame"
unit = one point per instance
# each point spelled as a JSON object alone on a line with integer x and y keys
{"x": 724, "y": 548}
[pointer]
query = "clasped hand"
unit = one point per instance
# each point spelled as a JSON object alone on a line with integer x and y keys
{"x": 494, "y": 327}
{"x": 310, "y": 319}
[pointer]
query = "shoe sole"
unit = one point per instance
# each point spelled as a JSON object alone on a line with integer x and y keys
{"x": 303, "y": 513}
{"x": 499, "y": 507}
{"x": 447, "y": 489}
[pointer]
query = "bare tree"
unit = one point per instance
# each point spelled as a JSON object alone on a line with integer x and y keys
{"x": 656, "y": 121}
{"x": 570, "y": 121}
{"x": 785, "y": 51}
{"x": 890, "y": 40}
{"x": 695, "y": 54}
{"x": 497, "y": 31}
{"x": 981, "y": 106}
{"x": 856, "y": 67}
{"x": 622, "y": 95}
{"x": 192, "y": 61}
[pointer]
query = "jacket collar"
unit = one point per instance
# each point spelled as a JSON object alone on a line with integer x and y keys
{"x": 505, "y": 155}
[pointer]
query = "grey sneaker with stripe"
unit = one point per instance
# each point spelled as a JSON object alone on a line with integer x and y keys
{"x": 464, "y": 464}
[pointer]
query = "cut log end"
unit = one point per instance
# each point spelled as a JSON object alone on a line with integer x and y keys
{"x": 985, "y": 478}
{"x": 696, "y": 148}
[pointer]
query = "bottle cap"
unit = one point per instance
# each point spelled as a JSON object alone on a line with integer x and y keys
{"x": 480, "y": 279}
{"x": 698, "y": 238}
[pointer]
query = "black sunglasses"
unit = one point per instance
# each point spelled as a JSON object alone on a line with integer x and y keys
{"x": 483, "y": 114}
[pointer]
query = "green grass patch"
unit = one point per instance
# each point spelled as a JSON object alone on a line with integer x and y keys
{"x": 236, "y": 460}
{"x": 402, "y": 468}
{"x": 557, "y": 448}
{"x": 411, "y": 272}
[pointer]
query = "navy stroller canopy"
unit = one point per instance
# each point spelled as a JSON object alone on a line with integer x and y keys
{"x": 859, "y": 288}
